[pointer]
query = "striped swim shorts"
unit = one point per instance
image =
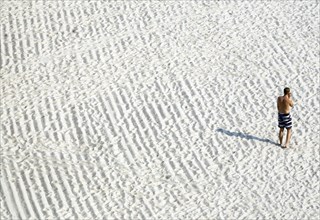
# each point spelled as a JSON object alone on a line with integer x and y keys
{"x": 284, "y": 120}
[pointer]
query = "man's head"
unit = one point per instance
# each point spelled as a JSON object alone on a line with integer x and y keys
{"x": 286, "y": 91}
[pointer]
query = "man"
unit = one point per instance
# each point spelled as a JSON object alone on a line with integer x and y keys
{"x": 284, "y": 104}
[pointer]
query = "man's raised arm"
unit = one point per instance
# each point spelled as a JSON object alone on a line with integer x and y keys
{"x": 291, "y": 103}
{"x": 290, "y": 100}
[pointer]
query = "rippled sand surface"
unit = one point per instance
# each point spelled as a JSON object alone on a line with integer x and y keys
{"x": 158, "y": 109}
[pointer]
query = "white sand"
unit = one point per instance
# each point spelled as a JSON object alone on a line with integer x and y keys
{"x": 158, "y": 110}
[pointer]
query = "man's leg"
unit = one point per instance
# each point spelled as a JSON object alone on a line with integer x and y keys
{"x": 288, "y": 137}
{"x": 281, "y": 135}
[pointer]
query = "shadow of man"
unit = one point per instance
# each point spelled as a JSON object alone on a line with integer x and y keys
{"x": 246, "y": 136}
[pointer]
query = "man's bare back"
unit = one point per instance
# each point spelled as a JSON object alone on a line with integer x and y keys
{"x": 284, "y": 104}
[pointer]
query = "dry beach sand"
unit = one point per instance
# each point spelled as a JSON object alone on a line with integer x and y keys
{"x": 158, "y": 109}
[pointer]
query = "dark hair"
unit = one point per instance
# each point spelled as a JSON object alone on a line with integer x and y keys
{"x": 286, "y": 90}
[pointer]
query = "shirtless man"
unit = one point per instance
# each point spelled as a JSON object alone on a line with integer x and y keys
{"x": 284, "y": 104}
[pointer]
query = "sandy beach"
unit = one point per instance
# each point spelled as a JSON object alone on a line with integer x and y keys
{"x": 158, "y": 109}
